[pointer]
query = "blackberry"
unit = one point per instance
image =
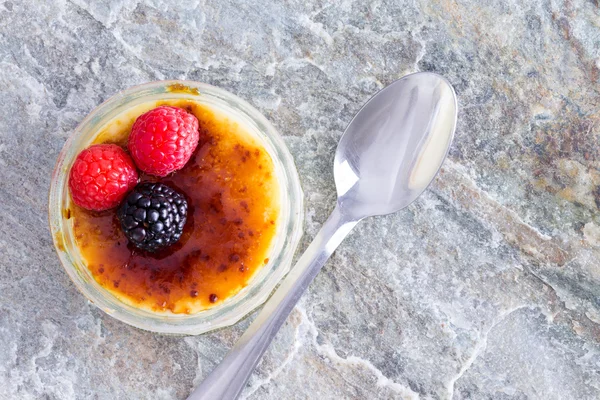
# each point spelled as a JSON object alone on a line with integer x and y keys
{"x": 152, "y": 216}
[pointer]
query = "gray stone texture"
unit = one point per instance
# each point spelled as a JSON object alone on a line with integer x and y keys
{"x": 487, "y": 287}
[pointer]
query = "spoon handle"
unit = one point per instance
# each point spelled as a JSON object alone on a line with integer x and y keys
{"x": 228, "y": 379}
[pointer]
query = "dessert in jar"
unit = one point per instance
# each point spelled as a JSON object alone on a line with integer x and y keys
{"x": 227, "y": 184}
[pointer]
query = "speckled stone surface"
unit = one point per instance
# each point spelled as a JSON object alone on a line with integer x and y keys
{"x": 487, "y": 287}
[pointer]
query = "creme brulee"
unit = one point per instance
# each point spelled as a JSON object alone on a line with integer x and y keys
{"x": 233, "y": 196}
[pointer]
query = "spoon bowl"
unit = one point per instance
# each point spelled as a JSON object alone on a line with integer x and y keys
{"x": 389, "y": 154}
{"x": 395, "y": 145}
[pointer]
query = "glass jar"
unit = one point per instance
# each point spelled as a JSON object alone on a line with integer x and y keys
{"x": 286, "y": 239}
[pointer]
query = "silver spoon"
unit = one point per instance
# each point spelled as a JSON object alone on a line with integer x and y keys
{"x": 389, "y": 154}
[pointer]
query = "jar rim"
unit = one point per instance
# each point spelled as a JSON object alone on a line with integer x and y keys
{"x": 285, "y": 242}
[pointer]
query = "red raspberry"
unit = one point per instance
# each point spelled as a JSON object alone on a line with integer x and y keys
{"x": 163, "y": 140}
{"x": 101, "y": 176}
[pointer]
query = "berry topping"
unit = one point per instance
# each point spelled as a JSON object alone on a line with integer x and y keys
{"x": 163, "y": 140}
{"x": 153, "y": 216}
{"x": 101, "y": 176}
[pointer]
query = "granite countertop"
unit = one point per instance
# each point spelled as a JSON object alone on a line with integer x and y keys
{"x": 487, "y": 287}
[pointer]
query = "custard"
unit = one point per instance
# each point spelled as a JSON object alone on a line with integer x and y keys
{"x": 234, "y": 207}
